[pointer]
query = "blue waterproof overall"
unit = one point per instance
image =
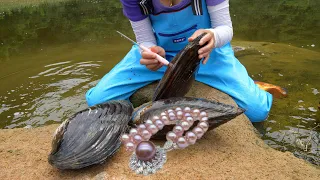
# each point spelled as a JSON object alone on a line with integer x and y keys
{"x": 223, "y": 71}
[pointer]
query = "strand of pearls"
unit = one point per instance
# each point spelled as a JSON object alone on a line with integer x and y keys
{"x": 138, "y": 138}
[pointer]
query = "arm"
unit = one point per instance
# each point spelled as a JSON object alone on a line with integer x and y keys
{"x": 221, "y": 23}
{"x": 142, "y": 29}
{"x": 221, "y": 31}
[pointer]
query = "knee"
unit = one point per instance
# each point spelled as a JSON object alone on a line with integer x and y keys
{"x": 93, "y": 98}
{"x": 257, "y": 115}
{"x": 258, "y": 111}
{"x": 98, "y": 95}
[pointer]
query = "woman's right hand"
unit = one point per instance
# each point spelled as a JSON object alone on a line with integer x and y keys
{"x": 149, "y": 59}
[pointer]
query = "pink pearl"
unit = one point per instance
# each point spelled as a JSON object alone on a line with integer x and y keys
{"x": 171, "y": 136}
{"x": 172, "y": 116}
{"x": 137, "y": 139}
{"x": 196, "y": 112}
{"x": 203, "y": 125}
{"x": 148, "y": 122}
{"x": 189, "y": 120}
{"x": 185, "y": 125}
{"x": 182, "y": 143}
{"x": 187, "y": 109}
{"x": 152, "y": 128}
{"x": 141, "y": 127}
{"x": 179, "y": 114}
{"x": 146, "y": 135}
{"x": 198, "y": 131}
{"x": 203, "y": 114}
{"x": 129, "y": 146}
{"x": 163, "y": 114}
{"x": 165, "y": 120}
{"x": 125, "y": 138}
{"x": 191, "y": 137}
{"x": 159, "y": 124}
{"x": 133, "y": 132}
{"x": 145, "y": 151}
{"x": 178, "y": 109}
{"x": 169, "y": 111}
{"x": 204, "y": 119}
{"x": 178, "y": 130}
{"x": 154, "y": 118}
{"x": 187, "y": 115}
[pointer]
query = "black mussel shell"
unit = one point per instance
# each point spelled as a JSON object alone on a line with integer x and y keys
{"x": 178, "y": 78}
{"x": 218, "y": 113}
{"x": 90, "y": 136}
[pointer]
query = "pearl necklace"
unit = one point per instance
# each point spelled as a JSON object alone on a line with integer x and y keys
{"x": 146, "y": 157}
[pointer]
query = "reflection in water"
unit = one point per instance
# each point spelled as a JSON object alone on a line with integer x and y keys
{"x": 50, "y": 55}
{"x": 36, "y": 104}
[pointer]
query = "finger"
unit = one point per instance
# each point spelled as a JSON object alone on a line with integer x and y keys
{"x": 206, "y": 60}
{"x": 206, "y": 38}
{"x": 148, "y": 55}
{"x": 206, "y": 48}
{"x": 159, "y": 50}
{"x": 148, "y": 61}
{"x": 204, "y": 55}
{"x": 153, "y": 67}
{"x": 194, "y": 35}
{"x": 159, "y": 66}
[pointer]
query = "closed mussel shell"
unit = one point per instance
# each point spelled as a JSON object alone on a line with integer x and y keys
{"x": 90, "y": 136}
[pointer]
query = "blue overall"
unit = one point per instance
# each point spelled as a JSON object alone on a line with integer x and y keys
{"x": 223, "y": 71}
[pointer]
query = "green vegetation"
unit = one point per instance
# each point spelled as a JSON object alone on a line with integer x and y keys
{"x": 31, "y": 27}
{"x": 7, "y": 5}
{"x": 291, "y": 21}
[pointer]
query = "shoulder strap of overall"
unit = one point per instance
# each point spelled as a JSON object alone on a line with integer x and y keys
{"x": 197, "y": 7}
{"x": 147, "y": 8}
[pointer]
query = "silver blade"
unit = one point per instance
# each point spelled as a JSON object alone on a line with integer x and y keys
{"x": 127, "y": 38}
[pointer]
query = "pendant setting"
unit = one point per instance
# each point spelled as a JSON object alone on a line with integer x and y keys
{"x": 151, "y": 166}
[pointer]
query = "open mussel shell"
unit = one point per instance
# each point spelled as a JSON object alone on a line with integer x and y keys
{"x": 90, "y": 136}
{"x": 178, "y": 78}
{"x": 218, "y": 113}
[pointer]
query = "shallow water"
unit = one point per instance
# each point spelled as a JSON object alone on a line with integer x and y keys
{"x": 50, "y": 55}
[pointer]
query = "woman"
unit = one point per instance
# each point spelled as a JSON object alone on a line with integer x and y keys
{"x": 166, "y": 26}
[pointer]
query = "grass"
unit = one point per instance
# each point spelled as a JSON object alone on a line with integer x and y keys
{"x": 6, "y": 5}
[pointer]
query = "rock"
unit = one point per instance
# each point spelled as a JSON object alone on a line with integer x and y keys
{"x": 231, "y": 151}
{"x": 198, "y": 89}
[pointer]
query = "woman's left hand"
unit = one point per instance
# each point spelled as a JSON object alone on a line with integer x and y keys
{"x": 208, "y": 38}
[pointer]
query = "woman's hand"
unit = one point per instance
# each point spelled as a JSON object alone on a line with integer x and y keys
{"x": 208, "y": 38}
{"x": 149, "y": 59}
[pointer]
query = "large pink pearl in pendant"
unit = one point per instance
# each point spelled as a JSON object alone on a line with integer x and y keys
{"x": 145, "y": 151}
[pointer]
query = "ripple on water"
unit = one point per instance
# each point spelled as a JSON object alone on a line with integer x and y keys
{"x": 49, "y": 97}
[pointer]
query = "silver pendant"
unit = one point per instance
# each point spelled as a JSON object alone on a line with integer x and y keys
{"x": 148, "y": 167}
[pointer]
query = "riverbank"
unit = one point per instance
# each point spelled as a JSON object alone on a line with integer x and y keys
{"x": 232, "y": 151}
{"x": 13, "y": 4}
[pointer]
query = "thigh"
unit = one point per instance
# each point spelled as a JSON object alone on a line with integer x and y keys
{"x": 123, "y": 80}
{"x": 224, "y": 72}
